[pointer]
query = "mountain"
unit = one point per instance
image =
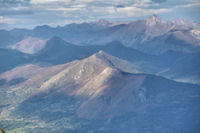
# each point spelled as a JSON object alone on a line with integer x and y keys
{"x": 11, "y": 37}
{"x": 146, "y": 43}
{"x": 102, "y": 23}
{"x": 29, "y": 45}
{"x": 96, "y": 95}
{"x": 12, "y": 58}
{"x": 68, "y": 52}
{"x": 106, "y": 24}
{"x": 195, "y": 33}
{"x": 43, "y": 31}
{"x": 5, "y": 38}
{"x": 57, "y": 51}
{"x": 184, "y": 69}
{"x": 156, "y": 27}
{"x": 187, "y": 24}
{"x": 136, "y": 32}
{"x": 149, "y": 63}
{"x": 152, "y": 35}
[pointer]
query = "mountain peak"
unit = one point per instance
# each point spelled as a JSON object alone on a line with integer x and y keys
{"x": 102, "y": 22}
{"x": 101, "y": 52}
{"x": 152, "y": 20}
{"x": 42, "y": 27}
{"x": 56, "y": 40}
{"x": 101, "y": 55}
{"x": 187, "y": 23}
{"x": 106, "y": 59}
{"x": 55, "y": 44}
{"x": 154, "y": 16}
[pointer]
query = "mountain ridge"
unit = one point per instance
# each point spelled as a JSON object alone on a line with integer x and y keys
{"x": 131, "y": 34}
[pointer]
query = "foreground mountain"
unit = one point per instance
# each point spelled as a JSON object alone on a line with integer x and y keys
{"x": 101, "y": 94}
{"x": 29, "y": 45}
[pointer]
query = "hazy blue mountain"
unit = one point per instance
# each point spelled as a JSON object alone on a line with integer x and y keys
{"x": 149, "y": 63}
{"x": 13, "y": 36}
{"x": 60, "y": 49}
{"x": 153, "y": 35}
{"x": 57, "y": 51}
{"x": 6, "y": 38}
{"x": 184, "y": 69}
{"x": 187, "y": 24}
{"x": 176, "y": 40}
{"x": 12, "y": 58}
{"x": 43, "y": 31}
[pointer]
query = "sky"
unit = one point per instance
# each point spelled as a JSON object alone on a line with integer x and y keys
{"x": 30, "y": 13}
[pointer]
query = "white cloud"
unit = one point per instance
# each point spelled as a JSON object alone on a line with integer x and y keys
{"x": 135, "y": 11}
{"x": 48, "y": 1}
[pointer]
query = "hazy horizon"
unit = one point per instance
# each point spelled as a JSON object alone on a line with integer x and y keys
{"x": 30, "y": 13}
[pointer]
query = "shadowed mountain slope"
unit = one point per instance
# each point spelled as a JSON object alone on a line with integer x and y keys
{"x": 12, "y": 58}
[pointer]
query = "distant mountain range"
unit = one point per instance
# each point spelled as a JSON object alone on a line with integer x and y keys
{"x": 153, "y": 35}
{"x": 56, "y": 51}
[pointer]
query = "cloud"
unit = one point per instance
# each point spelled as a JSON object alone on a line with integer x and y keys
{"x": 13, "y": 3}
{"x": 9, "y": 12}
{"x": 4, "y": 20}
{"x": 59, "y": 12}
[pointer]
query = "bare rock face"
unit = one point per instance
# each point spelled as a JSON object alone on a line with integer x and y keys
{"x": 30, "y": 45}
